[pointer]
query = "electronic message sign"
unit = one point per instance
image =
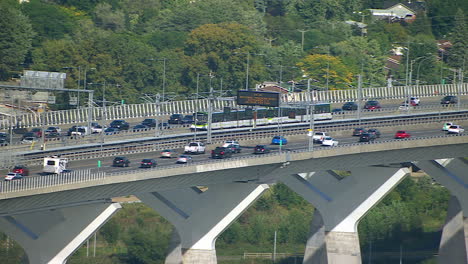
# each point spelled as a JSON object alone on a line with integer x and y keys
{"x": 270, "y": 99}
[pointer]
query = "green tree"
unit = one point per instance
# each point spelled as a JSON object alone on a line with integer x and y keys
{"x": 50, "y": 21}
{"x": 110, "y": 231}
{"x": 146, "y": 248}
{"x": 327, "y": 69}
{"x": 108, "y": 18}
{"x": 459, "y": 52}
{"x": 223, "y": 49}
{"x": 363, "y": 56}
{"x": 15, "y": 39}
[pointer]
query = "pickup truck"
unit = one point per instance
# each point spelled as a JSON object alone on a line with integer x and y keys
{"x": 318, "y": 137}
{"x": 195, "y": 148}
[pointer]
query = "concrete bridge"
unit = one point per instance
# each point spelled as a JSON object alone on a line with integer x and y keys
{"x": 127, "y": 111}
{"x": 50, "y": 221}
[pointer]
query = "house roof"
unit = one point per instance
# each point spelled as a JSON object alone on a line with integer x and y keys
{"x": 415, "y": 5}
{"x": 399, "y": 10}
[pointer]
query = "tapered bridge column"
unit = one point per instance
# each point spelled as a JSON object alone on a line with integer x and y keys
{"x": 201, "y": 216}
{"x": 340, "y": 202}
{"x": 51, "y": 236}
{"x": 453, "y": 174}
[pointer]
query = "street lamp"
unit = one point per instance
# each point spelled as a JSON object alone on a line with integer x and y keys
{"x": 248, "y": 63}
{"x": 164, "y": 76}
{"x": 419, "y": 67}
{"x": 85, "y": 75}
{"x": 79, "y": 74}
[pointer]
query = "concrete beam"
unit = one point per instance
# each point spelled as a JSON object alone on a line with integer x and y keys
{"x": 341, "y": 203}
{"x": 51, "y": 236}
{"x": 201, "y": 216}
{"x": 452, "y": 173}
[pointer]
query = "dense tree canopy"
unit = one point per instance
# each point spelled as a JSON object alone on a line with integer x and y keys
{"x": 15, "y": 39}
{"x": 124, "y": 43}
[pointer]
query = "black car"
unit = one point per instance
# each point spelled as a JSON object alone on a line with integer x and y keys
{"x": 261, "y": 149}
{"x": 29, "y": 135}
{"x": 188, "y": 119}
{"x": 163, "y": 125}
{"x": 140, "y": 127}
{"x": 120, "y": 124}
{"x": 150, "y": 122}
{"x": 221, "y": 153}
{"x": 148, "y": 163}
{"x": 359, "y": 131}
{"x": 449, "y": 99}
{"x": 71, "y": 129}
{"x": 367, "y": 137}
{"x": 374, "y": 131}
{"x": 52, "y": 135}
{"x": 235, "y": 148}
{"x": 349, "y": 106}
{"x": 175, "y": 119}
{"x": 4, "y": 138}
{"x": 121, "y": 162}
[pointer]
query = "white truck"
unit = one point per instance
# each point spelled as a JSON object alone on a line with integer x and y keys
{"x": 55, "y": 164}
{"x": 318, "y": 137}
{"x": 195, "y": 148}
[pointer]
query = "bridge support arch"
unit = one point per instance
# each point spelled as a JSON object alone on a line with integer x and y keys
{"x": 452, "y": 173}
{"x": 51, "y": 235}
{"x": 201, "y": 216}
{"x": 340, "y": 203}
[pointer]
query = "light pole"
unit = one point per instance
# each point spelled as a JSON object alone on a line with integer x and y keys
{"x": 248, "y": 65}
{"x": 86, "y": 74}
{"x": 419, "y": 67}
{"x": 78, "y": 81}
{"x": 164, "y": 76}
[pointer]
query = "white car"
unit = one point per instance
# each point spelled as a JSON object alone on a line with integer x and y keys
{"x": 455, "y": 129}
{"x": 414, "y": 101}
{"x": 446, "y": 126}
{"x": 13, "y": 176}
{"x": 184, "y": 159}
{"x": 195, "y": 148}
{"x": 230, "y": 142}
{"x": 318, "y": 137}
{"x": 330, "y": 142}
{"x": 405, "y": 106}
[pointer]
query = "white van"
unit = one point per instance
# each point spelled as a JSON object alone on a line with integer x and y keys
{"x": 55, "y": 164}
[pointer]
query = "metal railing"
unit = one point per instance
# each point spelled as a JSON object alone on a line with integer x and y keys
{"x": 179, "y": 141}
{"x": 74, "y": 177}
{"x": 127, "y": 111}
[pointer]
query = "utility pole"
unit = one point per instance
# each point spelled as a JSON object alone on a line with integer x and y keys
{"x": 302, "y": 38}
{"x": 210, "y": 115}
{"x": 247, "y": 73}
{"x": 359, "y": 98}
{"x": 459, "y": 86}
{"x": 311, "y": 121}
{"x": 157, "y": 105}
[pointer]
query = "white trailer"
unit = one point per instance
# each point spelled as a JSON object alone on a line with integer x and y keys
{"x": 55, "y": 164}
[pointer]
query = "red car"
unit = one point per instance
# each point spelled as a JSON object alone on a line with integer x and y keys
{"x": 21, "y": 169}
{"x": 402, "y": 134}
{"x": 372, "y": 105}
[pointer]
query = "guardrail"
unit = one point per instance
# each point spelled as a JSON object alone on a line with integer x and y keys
{"x": 36, "y": 182}
{"x": 190, "y": 106}
{"x": 130, "y": 134}
{"x": 179, "y": 141}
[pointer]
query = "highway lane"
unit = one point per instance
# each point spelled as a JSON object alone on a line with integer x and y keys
{"x": 247, "y": 149}
{"x": 389, "y": 109}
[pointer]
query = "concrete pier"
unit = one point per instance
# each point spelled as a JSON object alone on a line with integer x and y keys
{"x": 51, "y": 236}
{"x": 341, "y": 202}
{"x": 201, "y": 216}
